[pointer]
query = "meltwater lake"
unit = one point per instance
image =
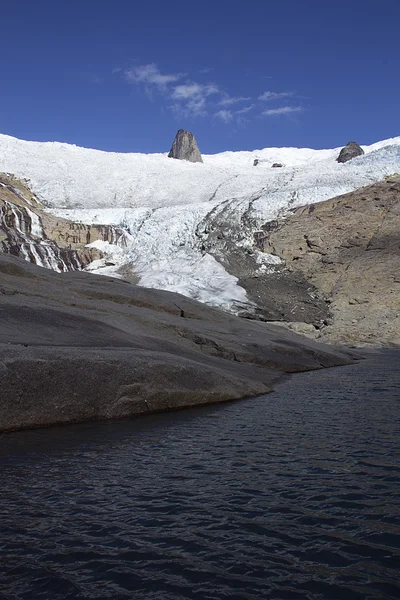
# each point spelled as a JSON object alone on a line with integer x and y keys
{"x": 295, "y": 494}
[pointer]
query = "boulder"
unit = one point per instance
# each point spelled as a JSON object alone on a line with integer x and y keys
{"x": 185, "y": 147}
{"x": 350, "y": 151}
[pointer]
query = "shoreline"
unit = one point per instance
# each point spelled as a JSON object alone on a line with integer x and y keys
{"x": 76, "y": 347}
{"x": 158, "y": 402}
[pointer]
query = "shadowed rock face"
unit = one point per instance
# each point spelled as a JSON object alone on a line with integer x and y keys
{"x": 350, "y": 151}
{"x": 185, "y": 147}
{"x": 77, "y": 347}
{"x": 275, "y": 293}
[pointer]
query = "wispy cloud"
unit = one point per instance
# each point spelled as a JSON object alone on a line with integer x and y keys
{"x": 190, "y": 99}
{"x": 224, "y": 115}
{"x": 188, "y": 91}
{"x": 229, "y": 100}
{"x": 244, "y": 110}
{"x": 268, "y": 96}
{"x": 151, "y": 75}
{"x": 227, "y": 115}
{"x": 282, "y": 110}
{"x": 195, "y": 107}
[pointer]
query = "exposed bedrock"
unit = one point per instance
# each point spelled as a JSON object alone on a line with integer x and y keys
{"x": 185, "y": 147}
{"x": 275, "y": 293}
{"x": 350, "y": 151}
{"x": 348, "y": 249}
{"x": 76, "y": 347}
{"x": 28, "y": 231}
{"x": 337, "y": 271}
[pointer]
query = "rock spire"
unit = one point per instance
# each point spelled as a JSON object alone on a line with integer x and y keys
{"x": 185, "y": 147}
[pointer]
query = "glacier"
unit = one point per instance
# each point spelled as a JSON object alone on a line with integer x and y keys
{"x": 168, "y": 207}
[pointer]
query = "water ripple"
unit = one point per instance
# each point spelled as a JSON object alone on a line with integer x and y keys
{"x": 291, "y": 495}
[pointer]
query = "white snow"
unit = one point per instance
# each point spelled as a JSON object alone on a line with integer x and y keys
{"x": 164, "y": 203}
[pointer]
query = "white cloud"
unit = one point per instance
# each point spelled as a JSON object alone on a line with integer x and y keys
{"x": 268, "y": 96}
{"x": 190, "y": 99}
{"x": 225, "y": 115}
{"x": 151, "y": 75}
{"x": 244, "y": 110}
{"x": 283, "y": 110}
{"x": 193, "y": 90}
{"x": 196, "y": 107}
{"x": 229, "y": 100}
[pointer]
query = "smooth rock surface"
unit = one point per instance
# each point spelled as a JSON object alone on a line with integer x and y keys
{"x": 77, "y": 347}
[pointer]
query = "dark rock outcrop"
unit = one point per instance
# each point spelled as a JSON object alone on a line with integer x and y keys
{"x": 277, "y": 165}
{"x": 274, "y": 293}
{"x": 350, "y": 151}
{"x": 77, "y": 347}
{"x": 185, "y": 147}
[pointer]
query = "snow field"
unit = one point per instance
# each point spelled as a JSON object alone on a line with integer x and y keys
{"x": 165, "y": 204}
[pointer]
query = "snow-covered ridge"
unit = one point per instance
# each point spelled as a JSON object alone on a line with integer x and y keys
{"x": 68, "y": 176}
{"x": 165, "y": 203}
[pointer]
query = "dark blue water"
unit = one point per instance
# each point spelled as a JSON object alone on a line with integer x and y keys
{"x": 291, "y": 495}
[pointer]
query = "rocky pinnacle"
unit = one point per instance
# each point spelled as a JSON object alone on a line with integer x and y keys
{"x": 185, "y": 147}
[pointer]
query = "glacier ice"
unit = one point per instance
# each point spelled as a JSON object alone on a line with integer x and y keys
{"x": 166, "y": 206}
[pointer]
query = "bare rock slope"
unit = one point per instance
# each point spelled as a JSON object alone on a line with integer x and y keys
{"x": 348, "y": 249}
{"x": 77, "y": 347}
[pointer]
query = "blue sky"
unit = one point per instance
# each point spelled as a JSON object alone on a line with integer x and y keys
{"x": 125, "y": 75}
